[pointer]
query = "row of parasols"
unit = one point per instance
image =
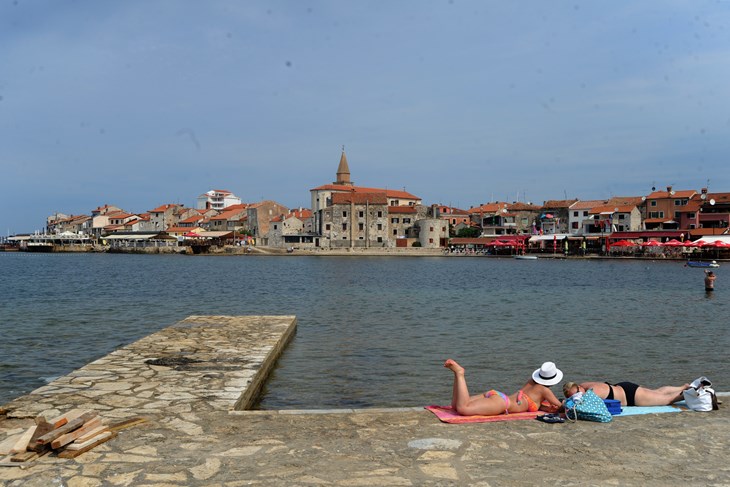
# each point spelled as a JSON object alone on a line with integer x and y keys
{"x": 717, "y": 244}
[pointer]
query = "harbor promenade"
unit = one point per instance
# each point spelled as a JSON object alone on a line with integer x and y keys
{"x": 189, "y": 387}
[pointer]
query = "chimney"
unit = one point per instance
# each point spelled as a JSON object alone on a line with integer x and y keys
{"x": 669, "y": 189}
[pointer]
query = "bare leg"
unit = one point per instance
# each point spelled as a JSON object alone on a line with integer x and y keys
{"x": 468, "y": 405}
{"x": 659, "y": 397}
{"x": 460, "y": 390}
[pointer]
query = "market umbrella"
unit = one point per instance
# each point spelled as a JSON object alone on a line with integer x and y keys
{"x": 623, "y": 243}
{"x": 651, "y": 243}
{"x": 673, "y": 243}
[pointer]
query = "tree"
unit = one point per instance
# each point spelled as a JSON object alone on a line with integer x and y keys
{"x": 468, "y": 232}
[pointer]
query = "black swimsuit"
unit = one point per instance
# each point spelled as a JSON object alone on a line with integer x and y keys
{"x": 630, "y": 390}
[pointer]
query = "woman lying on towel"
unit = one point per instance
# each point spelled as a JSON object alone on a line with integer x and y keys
{"x": 492, "y": 403}
{"x": 629, "y": 393}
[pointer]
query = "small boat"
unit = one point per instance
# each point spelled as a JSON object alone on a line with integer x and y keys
{"x": 699, "y": 263}
{"x": 526, "y": 257}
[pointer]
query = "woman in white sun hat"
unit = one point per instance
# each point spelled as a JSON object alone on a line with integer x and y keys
{"x": 529, "y": 398}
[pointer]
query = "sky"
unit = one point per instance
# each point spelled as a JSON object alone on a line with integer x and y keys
{"x": 140, "y": 103}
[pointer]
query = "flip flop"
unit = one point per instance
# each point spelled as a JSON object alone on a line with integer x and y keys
{"x": 550, "y": 418}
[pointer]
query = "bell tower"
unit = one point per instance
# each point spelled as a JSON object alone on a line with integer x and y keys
{"x": 343, "y": 171}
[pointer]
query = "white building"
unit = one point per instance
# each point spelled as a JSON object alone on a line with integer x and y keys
{"x": 217, "y": 199}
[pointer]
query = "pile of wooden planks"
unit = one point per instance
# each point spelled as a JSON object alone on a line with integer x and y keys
{"x": 69, "y": 435}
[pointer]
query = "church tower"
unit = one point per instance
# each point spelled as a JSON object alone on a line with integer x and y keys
{"x": 343, "y": 171}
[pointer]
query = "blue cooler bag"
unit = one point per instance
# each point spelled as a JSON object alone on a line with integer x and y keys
{"x": 587, "y": 407}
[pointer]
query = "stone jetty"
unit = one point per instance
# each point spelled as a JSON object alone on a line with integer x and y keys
{"x": 194, "y": 382}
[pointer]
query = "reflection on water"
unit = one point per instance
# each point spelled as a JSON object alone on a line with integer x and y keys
{"x": 374, "y": 331}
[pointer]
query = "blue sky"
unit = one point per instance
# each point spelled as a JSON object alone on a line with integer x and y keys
{"x": 141, "y": 103}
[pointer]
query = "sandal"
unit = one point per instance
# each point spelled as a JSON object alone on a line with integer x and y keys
{"x": 550, "y": 418}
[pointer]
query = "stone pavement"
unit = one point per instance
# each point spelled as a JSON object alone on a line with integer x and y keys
{"x": 187, "y": 380}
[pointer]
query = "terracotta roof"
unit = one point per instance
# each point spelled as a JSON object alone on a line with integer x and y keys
{"x": 488, "y": 208}
{"x": 550, "y": 204}
{"x": 359, "y": 198}
{"x": 404, "y": 210}
{"x": 163, "y": 208}
{"x": 192, "y": 219}
{"x": 390, "y": 193}
{"x": 587, "y": 204}
{"x": 522, "y": 207}
{"x": 625, "y": 200}
{"x": 657, "y": 195}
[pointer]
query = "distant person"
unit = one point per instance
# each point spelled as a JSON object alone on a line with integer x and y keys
{"x": 493, "y": 403}
{"x": 628, "y": 393}
{"x": 709, "y": 281}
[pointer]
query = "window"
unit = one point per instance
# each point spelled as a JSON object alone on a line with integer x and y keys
{"x": 380, "y": 239}
{"x": 393, "y": 220}
{"x": 585, "y": 212}
{"x": 344, "y": 226}
{"x": 575, "y": 213}
{"x": 361, "y": 214}
{"x": 361, "y": 227}
{"x": 380, "y": 214}
{"x": 621, "y": 216}
{"x": 574, "y": 225}
{"x": 676, "y": 215}
{"x": 276, "y": 226}
{"x": 344, "y": 214}
{"x": 430, "y": 229}
{"x": 691, "y": 215}
{"x": 327, "y": 227}
{"x": 380, "y": 226}
{"x": 395, "y": 232}
{"x": 406, "y": 220}
{"x": 653, "y": 203}
{"x": 430, "y": 240}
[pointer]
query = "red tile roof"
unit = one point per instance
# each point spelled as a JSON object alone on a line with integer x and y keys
{"x": 390, "y": 193}
{"x": 359, "y": 198}
{"x": 403, "y": 210}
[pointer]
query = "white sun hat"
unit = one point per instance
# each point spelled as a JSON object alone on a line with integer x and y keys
{"x": 548, "y": 374}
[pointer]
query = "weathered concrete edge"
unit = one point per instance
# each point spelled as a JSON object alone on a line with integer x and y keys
{"x": 250, "y": 395}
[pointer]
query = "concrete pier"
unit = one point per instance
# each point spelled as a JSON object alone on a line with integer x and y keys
{"x": 194, "y": 380}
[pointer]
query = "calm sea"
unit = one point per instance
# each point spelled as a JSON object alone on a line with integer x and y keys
{"x": 374, "y": 331}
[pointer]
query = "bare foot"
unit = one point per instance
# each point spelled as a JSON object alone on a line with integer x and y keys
{"x": 454, "y": 367}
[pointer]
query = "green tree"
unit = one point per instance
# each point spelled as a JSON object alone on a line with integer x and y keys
{"x": 468, "y": 232}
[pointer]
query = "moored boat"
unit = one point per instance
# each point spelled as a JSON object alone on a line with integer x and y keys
{"x": 526, "y": 257}
{"x": 699, "y": 263}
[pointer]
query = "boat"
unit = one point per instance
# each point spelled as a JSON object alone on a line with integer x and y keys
{"x": 526, "y": 257}
{"x": 699, "y": 263}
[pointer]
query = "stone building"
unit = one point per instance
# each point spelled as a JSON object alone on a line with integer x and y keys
{"x": 323, "y": 197}
{"x": 355, "y": 220}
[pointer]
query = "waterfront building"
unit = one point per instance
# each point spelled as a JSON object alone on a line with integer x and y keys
{"x": 580, "y": 221}
{"x": 217, "y": 199}
{"x": 259, "y": 216}
{"x": 77, "y": 224}
{"x": 432, "y": 232}
{"x": 521, "y": 217}
{"x": 100, "y": 218}
{"x": 609, "y": 218}
{"x": 554, "y": 217}
{"x": 164, "y": 216}
{"x": 453, "y": 216}
{"x": 663, "y": 208}
{"x": 233, "y": 218}
{"x": 291, "y": 230}
{"x": 355, "y": 220}
{"x": 323, "y": 198}
{"x": 706, "y": 213}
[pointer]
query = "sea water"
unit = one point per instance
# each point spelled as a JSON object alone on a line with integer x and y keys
{"x": 375, "y": 331}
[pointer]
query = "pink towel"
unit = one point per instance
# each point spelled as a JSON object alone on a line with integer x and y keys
{"x": 448, "y": 415}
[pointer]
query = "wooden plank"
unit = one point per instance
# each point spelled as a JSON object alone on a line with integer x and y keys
{"x": 78, "y": 445}
{"x": 22, "y": 444}
{"x": 127, "y": 423}
{"x": 69, "y": 437}
{"x": 26, "y": 456}
{"x": 68, "y": 427}
{"x": 62, "y": 419}
{"x": 8, "y": 444}
{"x": 66, "y": 453}
{"x": 96, "y": 431}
